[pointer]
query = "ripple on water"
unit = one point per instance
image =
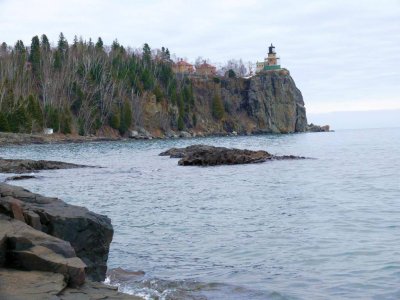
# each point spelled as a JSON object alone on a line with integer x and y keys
{"x": 310, "y": 229}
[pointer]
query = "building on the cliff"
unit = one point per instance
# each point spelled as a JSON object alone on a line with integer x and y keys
{"x": 206, "y": 69}
{"x": 271, "y": 62}
{"x": 182, "y": 67}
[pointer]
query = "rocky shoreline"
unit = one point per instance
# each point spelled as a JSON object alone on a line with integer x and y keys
{"x": 9, "y": 139}
{"x": 52, "y": 250}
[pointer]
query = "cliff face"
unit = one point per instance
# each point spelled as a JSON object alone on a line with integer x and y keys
{"x": 266, "y": 103}
{"x": 275, "y": 103}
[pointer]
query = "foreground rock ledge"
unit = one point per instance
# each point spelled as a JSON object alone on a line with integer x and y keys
{"x": 88, "y": 234}
{"x": 204, "y": 155}
{"x": 28, "y": 165}
{"x": 52, "y": 250}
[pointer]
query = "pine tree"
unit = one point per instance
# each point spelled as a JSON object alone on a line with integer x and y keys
{"x": 35, "y": 112}
{"x": 44, "y": 43}
{"x": 34, "y": 56}
{"x": 4, "y": 126}
{"x": 99, "y": 44}
{"x": 62, "y": 45}
{"x": 146, "y": 54}
{"x": 3, "y": 49}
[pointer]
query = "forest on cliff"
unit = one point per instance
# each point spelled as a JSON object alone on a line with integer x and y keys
{"x": 83, "y": 86}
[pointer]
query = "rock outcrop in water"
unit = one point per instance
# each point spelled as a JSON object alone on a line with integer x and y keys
{"x": 28, "y": 165}
{"x": 204, "y": 155}
{"x": 317, "y": 128}
{"x": 50, "y": 249}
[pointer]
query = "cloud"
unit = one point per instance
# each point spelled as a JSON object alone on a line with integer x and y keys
{"x": 336, "y": 51}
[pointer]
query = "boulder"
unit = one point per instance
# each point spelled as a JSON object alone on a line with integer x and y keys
{"x": 88, "y": 233}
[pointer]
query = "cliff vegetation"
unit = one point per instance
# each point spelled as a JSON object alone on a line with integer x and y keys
{"x": 87, "y": 88}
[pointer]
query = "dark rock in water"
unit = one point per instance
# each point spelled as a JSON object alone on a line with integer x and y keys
{"x": 20, "y": 177}
{"x": 88, "y": 233}
{"x": 317, "y": 128}
{"x": 27, "y": 165}
{"x": 203, "y": 155}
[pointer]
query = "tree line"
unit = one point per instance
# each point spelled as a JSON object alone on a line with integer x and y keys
{"x": 84, "y": 85}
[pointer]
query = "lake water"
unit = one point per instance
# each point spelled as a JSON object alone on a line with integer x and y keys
{"x": 326, "y": 228}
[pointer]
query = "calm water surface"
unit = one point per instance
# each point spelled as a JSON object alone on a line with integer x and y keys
{"x": 327, "y": 228}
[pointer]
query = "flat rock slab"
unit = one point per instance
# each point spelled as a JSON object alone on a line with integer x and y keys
{"x": 204, "y": 155}
{"x": 22, "y": 285}
{"x": 27, "y": 165}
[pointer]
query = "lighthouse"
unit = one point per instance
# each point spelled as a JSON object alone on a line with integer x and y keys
{"x": 271, "y": 62}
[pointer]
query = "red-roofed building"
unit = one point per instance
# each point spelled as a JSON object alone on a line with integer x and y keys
{"x": 183, "y": 67}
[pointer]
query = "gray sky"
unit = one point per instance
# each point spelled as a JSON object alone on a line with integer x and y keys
{"x": 343, "y": 55}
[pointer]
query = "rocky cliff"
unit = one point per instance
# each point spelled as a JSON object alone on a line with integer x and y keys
{"x": 269, "y": 102}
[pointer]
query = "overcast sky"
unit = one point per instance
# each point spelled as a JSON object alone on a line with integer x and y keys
{"x": 343, "y": 55}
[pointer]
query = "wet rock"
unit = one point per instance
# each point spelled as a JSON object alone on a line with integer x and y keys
{"x": 28, "y": 165}
{"x": 204, "y": 155}
{"x": 88, "y": 233}
{"x": 20, "y": 177}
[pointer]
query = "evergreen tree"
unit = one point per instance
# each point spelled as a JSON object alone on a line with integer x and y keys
{"x": 66, "y": 122}
{"x": 44, "y": 43}
{"x": 115, "y": 45}
{"x": 35, "y": 112}
{"x": 4, "y": 126}
{"x": 167, "y": 54}
{"x": 34, "y": 56}
{"x": 57, "y": 60}
{"x": 146, "y": 54}
{"x": 115, "y": 119}
{"x": 62, "y": 45}
{"x": 20, "y": 51}
{"x": 3, "y": 49}
{"x": 217, "y": 108}
{"x": 75, "y": 43}
{"x": 126, "y": 117}
{"x": 99, "y": 44}
{"x": 20, "y": 47}
{"x": 231, "y": 74}
{"x": 181, "y": 124}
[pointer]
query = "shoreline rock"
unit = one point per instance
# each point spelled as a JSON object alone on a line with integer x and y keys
{"x": 88, "y": 233}
{"x": 19, "y": 166}
{"x": 204, "y": 155}
{"x": 52, "y": 250}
